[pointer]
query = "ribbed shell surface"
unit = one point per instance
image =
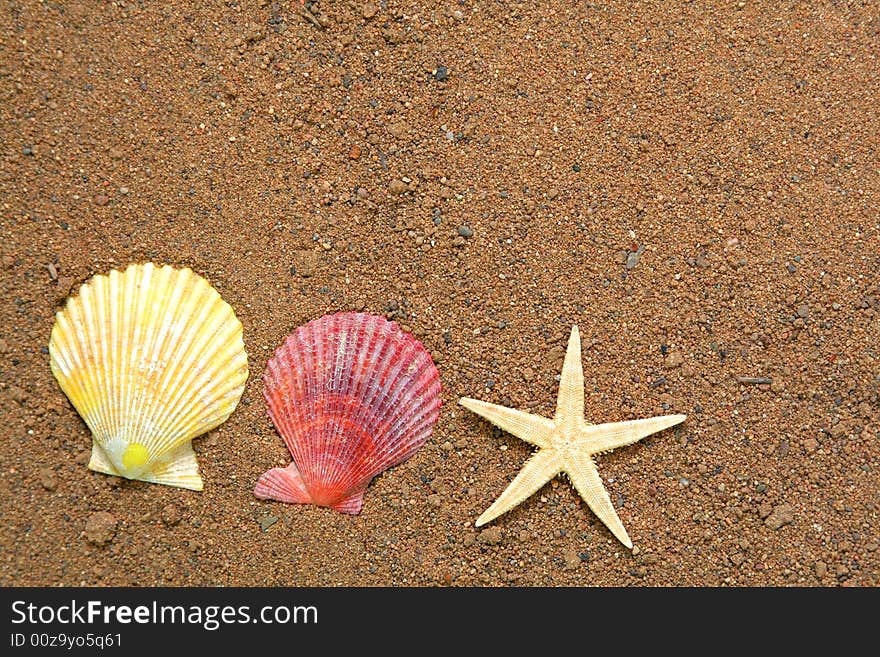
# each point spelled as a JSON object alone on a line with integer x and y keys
{"x": 351, "y": 394}
{"x": 150, "y": 358}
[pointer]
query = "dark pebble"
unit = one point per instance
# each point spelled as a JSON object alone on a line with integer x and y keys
{"x": 465, "y": 231}
{"x": 27, "y": 150}
{"x": 441, "y": 74}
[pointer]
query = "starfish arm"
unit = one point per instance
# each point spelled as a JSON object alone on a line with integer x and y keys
{"x": 533, "y": 429}
{"x": 586, "y": 480}
{"x": 570, "y": 403}
{"x": 605, "y": 437}
{"x": 538, "y": 470}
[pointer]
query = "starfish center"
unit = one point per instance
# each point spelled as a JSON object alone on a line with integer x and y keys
{"x": 566, "y": 439}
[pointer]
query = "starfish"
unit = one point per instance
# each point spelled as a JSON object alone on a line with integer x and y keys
{"x": 566, "y": 444}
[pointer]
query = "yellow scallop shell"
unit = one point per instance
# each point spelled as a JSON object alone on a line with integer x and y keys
{"x": 150, "y": 358}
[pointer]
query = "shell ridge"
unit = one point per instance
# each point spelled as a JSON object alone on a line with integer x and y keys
{"x": 344, "y": 351}
{"x": 393, "y": 407}
{"x": 126, "y": 342}
{"x": 281, "y": 397}
{"x": 202, "y": 417}
{"x": 214, "y": 395}
{"x": 380, "y": 356}
{"x": 81, "y": 377}
{"x": 422, "y": 387}
{"x": 159, "y": 309}
{"x": 64, "y": 363}
{"x": 187, "y": 375}
{"x": 155, "y": 331}
{"x": 94, "y": 351}
{"x": 320, "y": 456}
{"x": 365, "y": 391}
{"x": 116, "y": 289}
{"x": 344, "y": 474}
{"x": 111, "y": 374}
{"x": 273, "y": 393}
{"x": 402, "y": 423}
{"x": 175, "y": 347}
{"x": 301, "y": 359}
{"x": 106, "y": 380}
{"x": 398, "y": 351}
{"x": 325, "y": 356}
{"x": 141, "y": 339}
{"x": 85, "y": 348}
{"x": 222, "y": 350}
{"x": 420, "y": 432}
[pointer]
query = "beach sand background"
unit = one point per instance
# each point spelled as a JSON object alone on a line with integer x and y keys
{"x": 694, "y": 184}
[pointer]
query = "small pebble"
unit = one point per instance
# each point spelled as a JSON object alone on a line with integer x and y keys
{"x": 465, "y": 231}
{"x": 781, "y": 515}
{"x": 171, "y": 514}
{"x": 441, "y": 74}
{"x": 48, "y": 479}
{"x": 491, "y": 536}
{"x": 100, "y": 528}
{"x": 571, "y": 558}
{"x": 369, "y": 10}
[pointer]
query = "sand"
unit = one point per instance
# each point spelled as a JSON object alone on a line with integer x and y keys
{"x": 694, "y": 185}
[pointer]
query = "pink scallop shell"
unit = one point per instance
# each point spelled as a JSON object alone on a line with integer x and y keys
{"x": 351, "y": 394}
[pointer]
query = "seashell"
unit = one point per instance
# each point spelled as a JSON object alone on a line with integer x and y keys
{"x": 150, "y": 358}
{"x": 351, "y": 394}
